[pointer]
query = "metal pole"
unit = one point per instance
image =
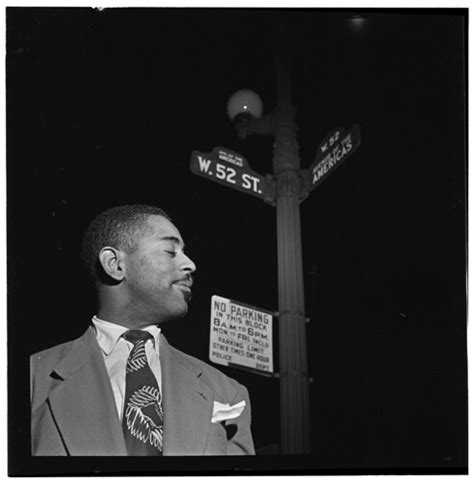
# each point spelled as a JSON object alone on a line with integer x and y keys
{"x": 294, "y": 389}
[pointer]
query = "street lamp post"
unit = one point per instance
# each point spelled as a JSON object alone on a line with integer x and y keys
{"x": 294, "y": 389}
{"x": 286, "y": 189}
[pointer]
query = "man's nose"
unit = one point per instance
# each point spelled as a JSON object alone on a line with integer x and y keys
{"x": 188, "y": 264}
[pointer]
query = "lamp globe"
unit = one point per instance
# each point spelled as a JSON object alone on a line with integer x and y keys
{"x": 244, "y": 103}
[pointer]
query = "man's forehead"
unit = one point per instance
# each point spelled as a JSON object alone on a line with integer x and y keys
{"x": 163, "y": 229}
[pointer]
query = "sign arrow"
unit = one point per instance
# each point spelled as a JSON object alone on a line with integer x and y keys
{"x": 332, "y": 152}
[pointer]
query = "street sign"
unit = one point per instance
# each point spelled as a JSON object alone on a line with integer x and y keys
{"x": 240, "y": 335}
{"x": 231, "y": 169}
{"x": 332, "y": 151}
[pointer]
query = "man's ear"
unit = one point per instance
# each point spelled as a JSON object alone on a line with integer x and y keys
{"x": 111, "y": 260}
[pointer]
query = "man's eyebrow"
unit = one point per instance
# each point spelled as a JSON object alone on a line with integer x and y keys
{"x": 174, "y": 239}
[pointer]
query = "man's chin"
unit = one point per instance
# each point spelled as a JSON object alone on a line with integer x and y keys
{"x": 185, "y": 292}
{"x": 181, "y": 310}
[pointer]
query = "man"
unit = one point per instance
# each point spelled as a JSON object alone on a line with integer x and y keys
{"x": 121, "y": 389}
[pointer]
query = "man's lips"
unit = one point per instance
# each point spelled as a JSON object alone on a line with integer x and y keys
{"x": 185, "y": 284}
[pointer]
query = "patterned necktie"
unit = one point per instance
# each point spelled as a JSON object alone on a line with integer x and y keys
{"x": 142, "y": 421}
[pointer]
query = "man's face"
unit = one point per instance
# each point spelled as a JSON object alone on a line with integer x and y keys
{"x": 158, "y": 274}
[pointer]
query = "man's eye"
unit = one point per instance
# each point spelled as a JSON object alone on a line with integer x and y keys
{"x": 171, "y": 253}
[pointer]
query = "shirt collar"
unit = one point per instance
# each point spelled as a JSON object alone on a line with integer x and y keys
{"x": 108, "y": 334}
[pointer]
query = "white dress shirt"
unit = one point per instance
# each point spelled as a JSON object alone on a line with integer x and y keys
{"x": 116, "y": 351}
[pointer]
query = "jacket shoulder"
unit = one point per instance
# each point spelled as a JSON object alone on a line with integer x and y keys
{"x": 42, "y": 365}
{"x": 50, "y": 356}
{"x": 210, "y": 375}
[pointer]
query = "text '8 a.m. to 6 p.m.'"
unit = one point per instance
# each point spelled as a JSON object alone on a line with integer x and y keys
{"x": 229, "y": 168}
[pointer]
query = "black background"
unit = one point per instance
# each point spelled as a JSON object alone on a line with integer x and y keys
{"x": 105, "y": 107}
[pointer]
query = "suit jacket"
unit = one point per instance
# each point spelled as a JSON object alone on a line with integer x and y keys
{"x": 74, "y": 412}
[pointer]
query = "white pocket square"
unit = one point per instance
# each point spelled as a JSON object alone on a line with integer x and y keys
{"x": 222, "y": 412}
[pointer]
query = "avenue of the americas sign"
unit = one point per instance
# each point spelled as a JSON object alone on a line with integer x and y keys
{"x": 241, "y": 335}
{"x": 332, "y": 151}
{"x": 231, "y": 169}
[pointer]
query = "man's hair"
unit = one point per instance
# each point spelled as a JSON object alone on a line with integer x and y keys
{"x": 117, "y": 227}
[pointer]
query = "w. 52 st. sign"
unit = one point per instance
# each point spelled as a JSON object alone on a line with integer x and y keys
{"x": 231, "y": 169}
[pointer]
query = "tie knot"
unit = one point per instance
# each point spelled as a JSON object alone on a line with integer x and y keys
{"x": 137, "y": 335}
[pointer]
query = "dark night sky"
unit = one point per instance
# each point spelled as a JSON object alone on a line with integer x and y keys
{"x": 105, "y": 107}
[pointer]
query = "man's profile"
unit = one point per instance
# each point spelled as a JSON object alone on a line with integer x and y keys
{"x": 121, "y": 389}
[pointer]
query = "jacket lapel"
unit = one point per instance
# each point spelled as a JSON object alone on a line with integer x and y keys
{"x": 83, "y": 404}
{"x": 187, "y": 404}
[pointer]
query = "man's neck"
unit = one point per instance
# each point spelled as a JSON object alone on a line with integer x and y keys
{"x": 114, "y": 307}
{"x": 123, "y": 319}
